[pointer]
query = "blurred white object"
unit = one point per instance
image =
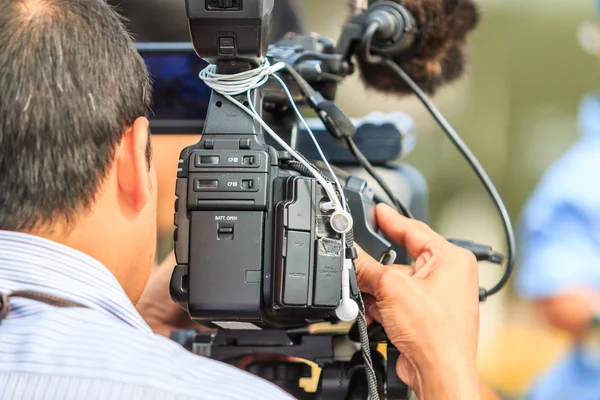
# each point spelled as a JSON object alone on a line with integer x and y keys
{"x": 358, "y": 6}
{"x": 588, "y": 37}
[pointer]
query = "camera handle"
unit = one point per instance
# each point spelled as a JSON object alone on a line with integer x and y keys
{"x": 225, "y": 118}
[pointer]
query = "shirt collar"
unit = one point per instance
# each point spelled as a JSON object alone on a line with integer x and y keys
{"x": 30, "y": 262}
{"x": 589, "y": 116}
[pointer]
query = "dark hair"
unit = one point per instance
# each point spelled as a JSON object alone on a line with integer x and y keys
{"x": 166, "y": 20}
{"x": 71, "y": 82}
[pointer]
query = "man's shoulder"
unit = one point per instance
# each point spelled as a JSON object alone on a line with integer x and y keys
{"x": 80, "y": 344}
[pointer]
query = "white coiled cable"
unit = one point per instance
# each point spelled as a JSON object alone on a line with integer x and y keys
{"x": 230, "y": 85}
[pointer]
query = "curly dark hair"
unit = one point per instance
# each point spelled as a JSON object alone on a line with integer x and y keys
{"x": 440, "y": 54}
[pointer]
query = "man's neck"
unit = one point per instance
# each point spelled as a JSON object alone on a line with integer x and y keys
{"x": 94, "y": 240}
{"x": 77, "y": 236}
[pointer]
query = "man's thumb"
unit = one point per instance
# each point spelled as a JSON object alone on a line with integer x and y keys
{"x": 368, "y": 272}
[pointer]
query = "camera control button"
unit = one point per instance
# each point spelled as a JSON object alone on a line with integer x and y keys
{"x": 225, "y": 232}
{"x": 207, "y": 160}
{"x": 209, "y": 143}
{"x": 227, "y": 46}
{"x": 300, "y": 212}
{"x": 226, "y": 41}
{"x": 295, "y": 280}
{"x": 201, "y": 185}
{"x": 248, "y": 184}
{"x": 245, "y": 144}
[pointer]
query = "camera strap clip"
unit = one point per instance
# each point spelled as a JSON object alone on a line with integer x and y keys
{"x": 54, "y": 301}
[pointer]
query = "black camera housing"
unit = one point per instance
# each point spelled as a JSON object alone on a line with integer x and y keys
{"x": 226, "y": 32}
{"x": 253, "y": 247}
{"x": 257, "y": 256}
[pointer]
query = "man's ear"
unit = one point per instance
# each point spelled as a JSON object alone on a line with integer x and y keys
{"x": 132, "y": 165}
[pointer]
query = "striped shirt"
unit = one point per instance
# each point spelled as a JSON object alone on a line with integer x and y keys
{"x": 105, "y": 351}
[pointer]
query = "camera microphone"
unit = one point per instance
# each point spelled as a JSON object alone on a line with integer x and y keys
{"x": 426, "y": 38}
{"x": 415, "y": 47}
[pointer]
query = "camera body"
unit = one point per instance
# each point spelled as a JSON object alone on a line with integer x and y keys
{"x": 230, "y": 33}
{"x": 254, "y": 244}
{"x": 253, "y": 247}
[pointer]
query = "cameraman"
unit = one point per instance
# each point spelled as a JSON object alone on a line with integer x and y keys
{"x": 78, "y": 234}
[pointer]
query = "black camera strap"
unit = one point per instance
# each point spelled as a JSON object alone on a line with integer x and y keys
{"x": 36, "y": 296}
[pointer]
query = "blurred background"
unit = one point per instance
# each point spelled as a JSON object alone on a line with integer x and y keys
{"x": 517, "y": 109}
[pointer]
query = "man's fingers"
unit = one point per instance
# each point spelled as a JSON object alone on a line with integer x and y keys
{"x": 372, "y": 277}
{"x": 372, "y": 314}
{"x": 368, "y": 271}
{"x": 404, "y": 269}
{"x": 414, "y": 235}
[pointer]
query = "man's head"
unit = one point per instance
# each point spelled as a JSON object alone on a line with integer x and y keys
{"x": 75, "y": 159}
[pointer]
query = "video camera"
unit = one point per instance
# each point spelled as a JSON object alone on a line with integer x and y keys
{"x": 264, "y": 238}
{"x": 253, "y": 221}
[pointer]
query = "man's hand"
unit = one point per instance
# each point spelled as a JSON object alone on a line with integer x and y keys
{"x": 430, "y": 312}
{"x": 156, "y": 306}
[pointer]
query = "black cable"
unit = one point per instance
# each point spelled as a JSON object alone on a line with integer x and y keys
{"x": 308, "y": 92}
{"x": 304, "y": 86}
{"x": 477, "y": 168}
{"x": 298, "y": 167}
{"x": 344, "y": 175}
{"x": 364, "y": 162}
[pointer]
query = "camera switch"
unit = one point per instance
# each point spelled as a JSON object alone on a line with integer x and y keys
{"x": 204, "y": 160}
{"x": 245, "y": 144}
{"x": 224, "y": 5}
{"x": 248, "y": 184}
{"x": 209, "y": 143}
{"x": 226, "y": 41}
{"x": 227, "y": 46}
{"x": 206, "y": 184}
{"x": 225, "y": 232}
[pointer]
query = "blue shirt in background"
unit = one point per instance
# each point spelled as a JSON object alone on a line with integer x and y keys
{"x": 560, "y": 248}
